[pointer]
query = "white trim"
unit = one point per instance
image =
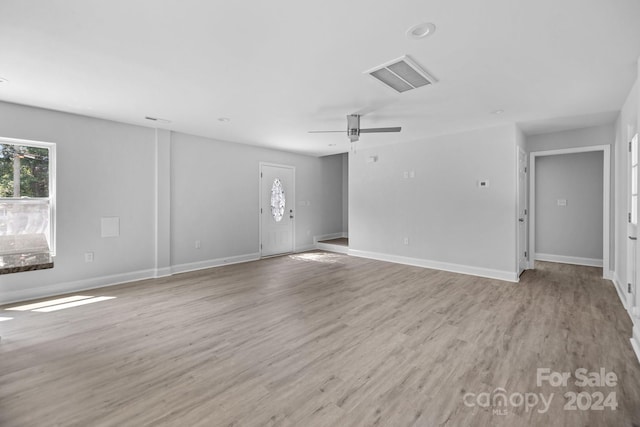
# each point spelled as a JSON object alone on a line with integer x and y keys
{"x": 635, "y": 333}
{"x": 606, "y": 197}
{"x": 9, "y": 297}
{"x": 522, "y": 245}
{"x": 508, "y": 276}
{"x": 620, "y": 291}
{"x": 293, "y": 203}
{"x": 156, "y": 201}
{"x": 210, "y": 263}
{"x": 635, "y": 341}
{"x": 305, "y": 248}
{"x": 332, "y": 248}
{"x": 331, "y": 236}
{"x": 590, "y": 262}
{"x": 162, "y": 272}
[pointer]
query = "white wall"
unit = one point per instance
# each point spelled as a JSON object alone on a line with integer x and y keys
{"x": 103, "y": 169}
{"x": 573, "y": 230}
{"x": 451, "y": 223}
{"x": 199, "y": 188}
{"x": 215, "y": 197}
{"x": 584, "y": 137}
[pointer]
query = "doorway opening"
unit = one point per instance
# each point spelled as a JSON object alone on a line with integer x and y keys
{"x": 560, "y": 202}
{"x": 339, "y": 241}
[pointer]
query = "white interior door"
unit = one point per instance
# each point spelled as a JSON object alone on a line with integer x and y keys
{"x": 523, "y": 260}
{"x": 277, "y": 189}
{"x": 632, "y": 225}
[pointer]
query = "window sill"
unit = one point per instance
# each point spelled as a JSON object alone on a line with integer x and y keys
{"x": 29, "y": 261}
{"x": 24, "y": 253}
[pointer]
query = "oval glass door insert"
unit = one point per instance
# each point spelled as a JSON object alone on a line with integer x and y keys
{"x": 277, "y": 200}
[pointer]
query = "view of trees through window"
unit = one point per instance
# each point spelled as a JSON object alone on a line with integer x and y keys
{"x": 24, "y": 171}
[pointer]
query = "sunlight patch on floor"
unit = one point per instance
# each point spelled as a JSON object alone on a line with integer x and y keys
{"x": 48, "y": 303}
{"x": 72, "y": 304}
{"x": 323, "y": 257}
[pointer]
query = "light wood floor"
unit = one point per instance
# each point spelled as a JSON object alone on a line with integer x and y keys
{"x": 318, "y": 339}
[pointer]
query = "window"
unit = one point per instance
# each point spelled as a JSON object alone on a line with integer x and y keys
{"x": 27, "y": 200}
{"x": 633, "y": 218}
{"x": 277, "y": 200}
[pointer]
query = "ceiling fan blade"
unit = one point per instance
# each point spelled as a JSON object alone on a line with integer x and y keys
{"x": 377, "y": 130}
{"x": 326, "y": 131}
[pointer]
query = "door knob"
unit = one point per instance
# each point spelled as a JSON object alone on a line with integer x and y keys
{"x": 521, "y": 219}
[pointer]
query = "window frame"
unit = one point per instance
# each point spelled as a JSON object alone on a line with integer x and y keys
{"x": 51, "y": 146}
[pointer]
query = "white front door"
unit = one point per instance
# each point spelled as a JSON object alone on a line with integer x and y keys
{"x": 522, "y": 211}
{"x": 277, "y": 217}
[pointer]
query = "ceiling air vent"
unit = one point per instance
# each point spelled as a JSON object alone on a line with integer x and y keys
{"x": 401, "y": 74}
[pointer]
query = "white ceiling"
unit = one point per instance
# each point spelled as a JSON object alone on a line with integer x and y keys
{"x": 282, "y": 67}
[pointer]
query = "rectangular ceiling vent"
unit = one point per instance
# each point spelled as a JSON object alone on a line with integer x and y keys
{"x": 401, "y": 74}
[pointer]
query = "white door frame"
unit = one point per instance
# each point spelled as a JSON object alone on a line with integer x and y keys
{"x": 606, "y": 189}
{"x": 522, "y": 245}
{"x": 291, "y": 196}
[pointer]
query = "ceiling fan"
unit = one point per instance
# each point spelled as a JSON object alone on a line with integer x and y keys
{"x": 354, "y": 131}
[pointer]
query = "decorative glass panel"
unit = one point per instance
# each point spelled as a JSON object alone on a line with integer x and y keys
{"x": 277, "y": 200}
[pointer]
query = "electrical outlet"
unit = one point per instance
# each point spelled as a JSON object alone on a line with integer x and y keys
{"x": 406, "y": 240}
{"x": 197, "y": 244}
{"x": 88, "y": 257}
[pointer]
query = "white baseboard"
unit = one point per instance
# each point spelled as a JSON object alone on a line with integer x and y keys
{"x": 331, "y": 236}
{"x": 332, "y": 248}
{"x": 590, "y": 262}
{"x": 162, "y": 272}
{"x": 635, "y": 334}
{"x": 201, "y": 265}
{"x": 9, "y": 297}
{"x": 509, "y": 276}
{"x": 635, "y": 340}
{"x": 305, "y": 248}
{"x": 620, "y": 291}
